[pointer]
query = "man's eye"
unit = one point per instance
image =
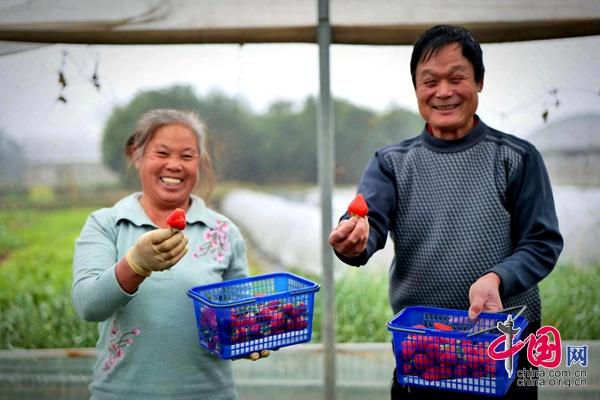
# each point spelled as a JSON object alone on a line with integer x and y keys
{"x": 456, "y": 79}
{"x": 187, "y": 157}
{"x": 162, "y": 153}
{"x": 430, "y": 82}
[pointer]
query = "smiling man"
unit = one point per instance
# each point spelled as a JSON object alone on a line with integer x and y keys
{"x": 469, "y": 208}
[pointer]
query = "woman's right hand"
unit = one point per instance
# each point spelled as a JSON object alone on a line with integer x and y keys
{"x": 156, "y": 250}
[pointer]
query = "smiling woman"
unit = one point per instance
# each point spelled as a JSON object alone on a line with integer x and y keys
{"x": 131, "y": 271}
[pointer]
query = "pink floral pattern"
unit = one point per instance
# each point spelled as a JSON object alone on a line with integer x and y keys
{"x": 216, "y": 242}
{"x": 116, "y": 343}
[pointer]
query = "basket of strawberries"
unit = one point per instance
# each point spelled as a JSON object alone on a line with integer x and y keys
{"x": 241, "y": 316}
{"x": 443, "y": 349}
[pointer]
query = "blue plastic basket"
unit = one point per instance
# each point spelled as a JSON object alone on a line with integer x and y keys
{"x": 242, "y": 316}
{"x": 454, "y": 360}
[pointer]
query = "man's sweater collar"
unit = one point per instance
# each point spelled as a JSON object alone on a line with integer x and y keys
{"x": 474, "y": 136}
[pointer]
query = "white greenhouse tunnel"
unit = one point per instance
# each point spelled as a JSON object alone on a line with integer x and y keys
{"x": 288, "y": 231}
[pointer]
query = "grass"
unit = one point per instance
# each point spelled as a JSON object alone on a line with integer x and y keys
{"x": 35, "y": 280}
{"x": 36, "y": 249}
{"x": 361, "y": 306}
{"x": 571, "y": 301}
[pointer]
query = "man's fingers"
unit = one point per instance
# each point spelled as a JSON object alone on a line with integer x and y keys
{"x": 493, "y": 306}
{"x": 341, "y": 232}
{"x": 476, "y": 307}
{"x": 350, "y": 236}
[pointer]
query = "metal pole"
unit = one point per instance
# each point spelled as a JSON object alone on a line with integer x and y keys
{"x": 326, "y": 155}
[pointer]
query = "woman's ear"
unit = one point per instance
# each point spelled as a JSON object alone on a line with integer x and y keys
{"x": 132, "y": 152}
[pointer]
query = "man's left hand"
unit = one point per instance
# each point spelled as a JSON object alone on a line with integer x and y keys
{"x": 484, "y": 295}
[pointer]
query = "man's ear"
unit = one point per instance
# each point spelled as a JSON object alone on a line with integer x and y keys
{"x": 480, "y": 86}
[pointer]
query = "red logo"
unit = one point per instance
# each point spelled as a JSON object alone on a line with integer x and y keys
{"x": 543, "y": 348}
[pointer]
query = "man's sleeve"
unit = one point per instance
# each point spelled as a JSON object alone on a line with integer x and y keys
{"x": 378, "y": 189}
{"x": 534, "y": 227}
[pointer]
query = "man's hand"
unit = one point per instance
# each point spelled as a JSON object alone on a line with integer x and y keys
{"x": 350, "y": 236}
{"x": 484, "y": 295}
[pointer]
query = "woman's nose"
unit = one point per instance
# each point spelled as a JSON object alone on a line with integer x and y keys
{"x": 174, "y": 164}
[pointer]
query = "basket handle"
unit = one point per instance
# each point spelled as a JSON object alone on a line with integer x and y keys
{"x": 522, "y": 308}
{"x": 304, "y": 290}
{"x": 218, "y": 305}
{"x": 402, "y": 329}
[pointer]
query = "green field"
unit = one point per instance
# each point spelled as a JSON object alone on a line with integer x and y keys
{"x": 36, "y": 249}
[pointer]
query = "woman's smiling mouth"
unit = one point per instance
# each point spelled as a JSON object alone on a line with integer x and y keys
{"x": 169, "y": 181}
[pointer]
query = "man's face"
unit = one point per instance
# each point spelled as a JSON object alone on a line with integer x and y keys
{"x": 447, "y": 92}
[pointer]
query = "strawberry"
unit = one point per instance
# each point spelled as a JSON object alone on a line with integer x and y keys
{"x": 358, "y": 207}
{"x": 490, "y": 367}
{"x": 448, "y": 355}
{"x": 176, "y": 219}
{"x": 407, "y": 368}
{"x": 408, "y": 349}
{"x": 422, "y": 361}
{"x": 288, "y": 308}
{"x": 441, "y": 327}
{"x": 278, "y": 320}
{"x": 461, "y": 371}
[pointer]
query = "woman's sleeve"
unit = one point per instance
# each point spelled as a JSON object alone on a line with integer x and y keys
{"x": 96, "y": 293}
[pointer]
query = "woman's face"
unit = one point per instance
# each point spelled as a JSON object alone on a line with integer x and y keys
{"x": 169, "y": 167}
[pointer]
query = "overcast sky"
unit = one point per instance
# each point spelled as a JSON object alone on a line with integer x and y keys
{"x": 517, "y": 89}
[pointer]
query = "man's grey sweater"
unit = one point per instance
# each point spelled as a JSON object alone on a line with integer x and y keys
{"x": 457, "y": 210}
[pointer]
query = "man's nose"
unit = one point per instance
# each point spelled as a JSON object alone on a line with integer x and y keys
{"x": 443, "y": 89}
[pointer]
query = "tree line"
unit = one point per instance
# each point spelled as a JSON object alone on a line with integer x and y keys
{"x": 275, "y": 146}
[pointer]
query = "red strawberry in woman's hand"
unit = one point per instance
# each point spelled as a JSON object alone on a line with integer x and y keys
{"x": 358, "y": 207}
{"x": 176, "y": 219}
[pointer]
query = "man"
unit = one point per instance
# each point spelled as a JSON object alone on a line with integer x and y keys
{"x": 469, "y": 208}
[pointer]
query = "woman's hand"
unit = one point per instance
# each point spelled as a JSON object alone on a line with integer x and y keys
{"x": 156, "y": 250}
{"x": 257, "y": 355}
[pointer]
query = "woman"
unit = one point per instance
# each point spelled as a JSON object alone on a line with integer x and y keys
{"x": 131, "y": 272}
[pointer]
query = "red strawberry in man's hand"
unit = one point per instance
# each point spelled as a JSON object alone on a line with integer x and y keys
{"x": 176, "y": 219}
{"x": 358, "y": 207}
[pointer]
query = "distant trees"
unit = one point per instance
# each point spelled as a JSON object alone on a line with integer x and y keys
{"x": 279, "y": 145}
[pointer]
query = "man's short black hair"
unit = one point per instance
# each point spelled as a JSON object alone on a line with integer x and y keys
{"x": 440, "y": 36}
